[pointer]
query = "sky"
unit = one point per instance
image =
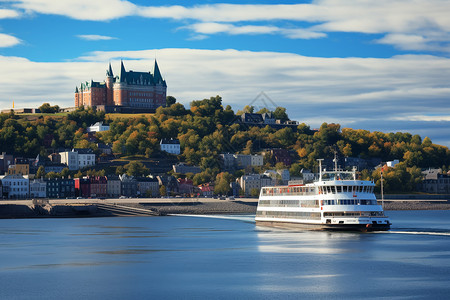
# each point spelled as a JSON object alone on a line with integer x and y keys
{"x": 376, "y": 65}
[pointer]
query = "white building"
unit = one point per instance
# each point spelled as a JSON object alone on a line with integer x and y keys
{"x": 98, "y": 127}
{"x": 78, "y": 158}
{"x": 255, "y": 181}
{"x": 245, "y": 160}
{"x": 15, "y": 186}
{"x": 392, "y": 163}
{"x": 170, "y": 146}
{"x": 38, "y": 188}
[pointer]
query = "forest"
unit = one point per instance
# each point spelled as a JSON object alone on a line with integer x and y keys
{"x": 207, "y": 129}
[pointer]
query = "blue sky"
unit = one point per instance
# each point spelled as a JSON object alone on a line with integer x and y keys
{"x": 375, "y": 65}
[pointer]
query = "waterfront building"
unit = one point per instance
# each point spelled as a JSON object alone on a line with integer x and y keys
{"x": 78, "y": 158}
{"x": 82, "y": 187}
{"x": 170, "y": 146}
{"x": 170, "y": 182}
{"x": 148, "y": 186}
{"x": 434, "y": 181}
{"x": 98, "y": 186}
{"x": 185, "y": 186}
{"x": 254, "y": 181}
{"x": 206, "y": 189}
{"x": 113, "y": 186}
{"x": 15, "y": 186}
{"x": 137, "y": 90}
{"x": 60, "y": 188}
{"x": 129, "y": 185}
{"x": 38, "y": 188}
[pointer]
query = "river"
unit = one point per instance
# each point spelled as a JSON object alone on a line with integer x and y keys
{"x": 222, "y": 257}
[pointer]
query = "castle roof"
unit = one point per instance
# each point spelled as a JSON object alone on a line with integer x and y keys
{"x": 141, "y": 78}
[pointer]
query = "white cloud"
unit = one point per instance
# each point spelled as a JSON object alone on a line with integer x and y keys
{"x": 8, "y": 40}
{"x": 408, "y": 25}
{"x": 8, "y": 13}
{"x": 401, "y": 92}
{"x": 98, "y": 10}
{"x": 214, "y": 28}
{"x": 95, "y": 37}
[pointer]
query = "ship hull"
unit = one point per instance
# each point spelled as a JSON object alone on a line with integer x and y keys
{"x": 326, "y": 227}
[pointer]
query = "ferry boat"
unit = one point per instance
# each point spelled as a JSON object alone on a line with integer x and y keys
{"x": 336, "y": 201}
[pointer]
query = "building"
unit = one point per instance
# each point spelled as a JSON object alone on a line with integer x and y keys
{"x": 113, "y": 186}
{"x": 148, "y": 187}
{"x": 170, "y": 182}
{"x": 15, "y": 186}
{"x": 5, "y": 161}
{"x": 60, "y": 188}
{"x": 435, "y": 182}
{"x": 38, "y": 188}
{"x": 98, "y": 186}
{"x": 183, "y": 169}
{"x": 138, "y": 90}
{"x": 97, "y": 127}
{"x": 280, "y": 177}
{"x": 21, "y": 166}
{"x": 170, "y": 146}
{"x": 206, "y": 189}
{"x": 185, "y": 186}
{"x": 254, "y": 182}
{"x": 281, "y": 156}
{"x": 78, "y": 158}
{"x": 82, "y": 187}
{"x": 129, "y": 185}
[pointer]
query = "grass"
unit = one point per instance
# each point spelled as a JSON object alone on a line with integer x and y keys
{"x": 115, "y": 116}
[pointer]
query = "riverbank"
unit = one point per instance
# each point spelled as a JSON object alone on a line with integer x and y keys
{"x": 166, "y": 206}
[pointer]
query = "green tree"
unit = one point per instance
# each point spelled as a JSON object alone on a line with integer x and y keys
{"x": 40, "y": 172}
{"x": 136, "y": 168}
{"x": 170, "y": 100}
{"x": 163, "y": 191}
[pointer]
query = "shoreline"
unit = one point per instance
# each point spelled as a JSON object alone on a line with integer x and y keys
{"x": 71, "y": 208}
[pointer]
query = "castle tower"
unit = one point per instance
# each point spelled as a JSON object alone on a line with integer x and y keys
{"x": 109, "y": 86}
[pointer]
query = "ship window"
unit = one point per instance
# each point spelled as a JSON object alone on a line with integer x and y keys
{"x": 339, "y": 189}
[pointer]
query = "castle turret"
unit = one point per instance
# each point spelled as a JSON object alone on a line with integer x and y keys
{"x": 109, "y": 86}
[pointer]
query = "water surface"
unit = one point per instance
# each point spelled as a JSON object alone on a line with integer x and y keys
{"x": 222, "y": 257}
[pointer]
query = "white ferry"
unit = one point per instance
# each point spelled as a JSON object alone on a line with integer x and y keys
{"x": 335, "y": 201}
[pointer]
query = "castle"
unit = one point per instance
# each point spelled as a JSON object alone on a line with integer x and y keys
{"x": 131, "y": 91}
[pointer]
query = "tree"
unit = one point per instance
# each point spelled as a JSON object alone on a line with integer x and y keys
{"x": 47, "y": 109}
{"x": 170, "y": 100}
{"x": 136, "y": 168}
{"x": 280, "y": 114}
{"x": 163, "y": 190}
{"x": 222, "y": 186}
{"x": 40, "y": 172}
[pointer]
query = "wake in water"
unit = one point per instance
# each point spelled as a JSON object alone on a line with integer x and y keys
{"x": 416, "y": 231}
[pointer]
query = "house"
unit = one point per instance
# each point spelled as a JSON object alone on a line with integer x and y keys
{"x": 148, "y": 187}
{"x": 98, "y": 186}
{"x": 183, "y": 169}
{"x": 78, "y": 158}
{"x": 5, "y": 161}
{"x": 15, "y": 186}
{"x": 278, "y": 176}
{"x": 185, "y": 186}
{"x": 435, "y": 182}
{"x": 129, "y": 185}
{"x": 206, "y": 189}
{"x": 254, "y": 182}
{"x": 38, "y": 188}
{"x": 281, "y": 156}
{"x": 60, "y": 188}
{"x": 170, "y": 146}
{"x": 170, "y": 182}
{"x": 21, "y": 166}
{"x": 113, "y": 186}
{"x": 105, "y": 149}
{"x": 307, "y": 175}
{"x": 232, "y": 161}
{"x": 97, "y": 127}
{"x": 392, "y": 163}
{"x": 82, "y": 187}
